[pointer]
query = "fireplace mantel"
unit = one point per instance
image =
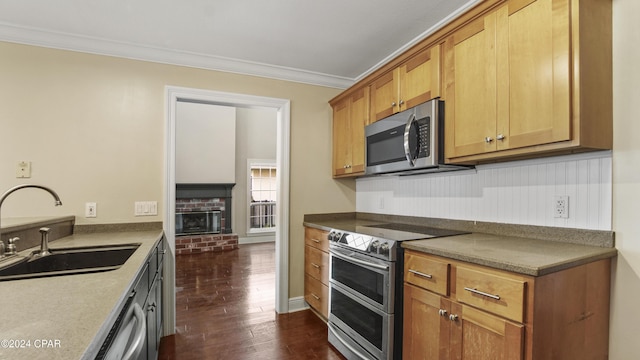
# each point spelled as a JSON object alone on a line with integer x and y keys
{"x": 190, "y": 191}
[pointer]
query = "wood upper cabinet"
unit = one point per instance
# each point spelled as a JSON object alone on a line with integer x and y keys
{"x": 457, "y": 310}
{"x": 350, "y": 116}
{"x": 515, "y": 84}
{"x": 413, "y": 82}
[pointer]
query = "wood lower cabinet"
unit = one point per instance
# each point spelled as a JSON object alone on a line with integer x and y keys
{"x": 515, "y": 84}
{"x": 350, "y": 116}
{"x": 316, "y": 270}
{"x": 479, "y": 313}
{"x": 415, "y": 81}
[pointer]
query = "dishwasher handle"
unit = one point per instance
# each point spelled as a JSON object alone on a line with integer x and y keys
{"x": 141, "y": 333}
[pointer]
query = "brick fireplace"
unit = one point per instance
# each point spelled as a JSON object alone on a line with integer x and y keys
{"x": 203, "y": 218}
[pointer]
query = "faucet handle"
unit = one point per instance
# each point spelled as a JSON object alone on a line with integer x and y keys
{"x": 11, "y": 248}
{"x": 1, "y": 249}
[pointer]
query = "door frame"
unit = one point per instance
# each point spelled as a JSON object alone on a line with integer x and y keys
{"x": 172, "y": 95}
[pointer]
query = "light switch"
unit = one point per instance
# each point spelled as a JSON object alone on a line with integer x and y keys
{"x": 23, "y": 170}
{"x": 145, "y": 208}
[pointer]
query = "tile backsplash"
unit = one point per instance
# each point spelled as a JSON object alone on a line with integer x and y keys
{"x": 518, "y": 192}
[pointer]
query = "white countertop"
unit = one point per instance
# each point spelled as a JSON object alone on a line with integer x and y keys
{"x": 67, "y": 317}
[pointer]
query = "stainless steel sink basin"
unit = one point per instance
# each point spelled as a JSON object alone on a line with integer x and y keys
{"x": 69, "y": 261}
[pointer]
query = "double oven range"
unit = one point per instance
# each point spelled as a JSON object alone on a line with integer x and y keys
{"x": 366, "y": 274}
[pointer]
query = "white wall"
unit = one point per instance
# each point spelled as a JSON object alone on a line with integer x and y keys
{"x": 205, "y": 143}
{"x": 519, "y": 192}
{"x": 625, "y": 315}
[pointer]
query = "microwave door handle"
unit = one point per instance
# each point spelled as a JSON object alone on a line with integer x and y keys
{"x": 407, "y": 131}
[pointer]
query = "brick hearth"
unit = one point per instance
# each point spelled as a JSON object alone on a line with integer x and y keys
{"x": 190, "y": 244}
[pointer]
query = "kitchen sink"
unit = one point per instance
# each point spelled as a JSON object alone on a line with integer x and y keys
{"x": 68, "y": 261}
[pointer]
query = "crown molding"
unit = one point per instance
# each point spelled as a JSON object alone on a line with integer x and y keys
{"x": 417, "y": 39}
{"x": 99, "y": 46}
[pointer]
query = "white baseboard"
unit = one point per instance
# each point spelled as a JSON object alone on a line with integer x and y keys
{"x": 297, "y": 304}
{"x": 256, "y": 239}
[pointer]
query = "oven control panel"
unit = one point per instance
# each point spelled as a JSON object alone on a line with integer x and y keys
{"x": 367, "y": 244}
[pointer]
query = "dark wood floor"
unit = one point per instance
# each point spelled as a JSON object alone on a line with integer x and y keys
{"x": 225, "y": 309}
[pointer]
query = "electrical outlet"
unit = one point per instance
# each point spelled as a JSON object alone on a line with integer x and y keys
{"x": 90, "y": 210}
{"x": 23, "y": 170}
{"x": 561, "y": 206}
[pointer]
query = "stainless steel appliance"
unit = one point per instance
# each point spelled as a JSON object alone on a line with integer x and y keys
{"x": 365, "y": 285}
{"x": 410, "y": 141}
{"x": 126, "y": 339}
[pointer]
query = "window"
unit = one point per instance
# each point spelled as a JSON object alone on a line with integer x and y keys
{"x": 262, "y": 197}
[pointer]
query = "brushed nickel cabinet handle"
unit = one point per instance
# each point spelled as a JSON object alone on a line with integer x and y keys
{"x": 315, "y": 296}
{"x": 495, "y": 297}
{"x": 315, "y": 265}
{"x": 420, "y": 274}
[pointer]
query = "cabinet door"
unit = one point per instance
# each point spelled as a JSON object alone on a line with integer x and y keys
{"x": 420, "y": 78}
{"x": 384, "y": 96}
{"x": 341, "y": 138}
{"x": 470, "y": 88}
{"x": 425, "y": 325}
{"x": 350, "y": 116}
{"x": 359, "y": 114}
{"x": 533, "y": 73}
{"x": 476, "y": 335}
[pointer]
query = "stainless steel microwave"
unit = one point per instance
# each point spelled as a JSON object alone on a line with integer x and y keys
{"x": 411, "y": 141}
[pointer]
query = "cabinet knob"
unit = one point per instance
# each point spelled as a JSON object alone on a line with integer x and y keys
{"x": 442, "y": 312}
{"x": 393, "y": 104}
{"x": 500, "y": 137}
{"x": 401, "y": 102}
{"x": 488, "y": 139}
{"x": 453, "y": 317}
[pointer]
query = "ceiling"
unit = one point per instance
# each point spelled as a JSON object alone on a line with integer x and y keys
{"x": 330, "y": 42}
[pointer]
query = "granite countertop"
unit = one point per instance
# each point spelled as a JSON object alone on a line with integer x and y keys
{"x": 540, "y": 251}
{"x": 68, "y": 317}
{"x": 521, "y": 255}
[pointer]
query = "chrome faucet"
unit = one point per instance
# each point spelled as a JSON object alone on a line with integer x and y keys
{"x": 16, "y": 188}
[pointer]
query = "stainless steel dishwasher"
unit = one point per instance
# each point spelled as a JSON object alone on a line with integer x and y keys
{"x": 127, "y": 337}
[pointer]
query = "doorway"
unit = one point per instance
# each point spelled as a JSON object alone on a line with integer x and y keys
{"x": 282, "y": 107}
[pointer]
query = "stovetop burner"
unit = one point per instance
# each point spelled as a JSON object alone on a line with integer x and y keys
{"x": 414, "y": 232}
{"x": 381, "y": 240}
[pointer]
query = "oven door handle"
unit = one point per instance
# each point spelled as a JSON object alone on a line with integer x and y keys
{"x": 360, "y": 262}
{"x": 346, "y": 344}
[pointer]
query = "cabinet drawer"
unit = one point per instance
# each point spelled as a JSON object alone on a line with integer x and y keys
{"x": 316, "y": 264}
{"x": 316, "y": 238}
{"x": 316, "y": 294}
{"x": 426, "y": 272}
{"x": 490, "y": 292}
